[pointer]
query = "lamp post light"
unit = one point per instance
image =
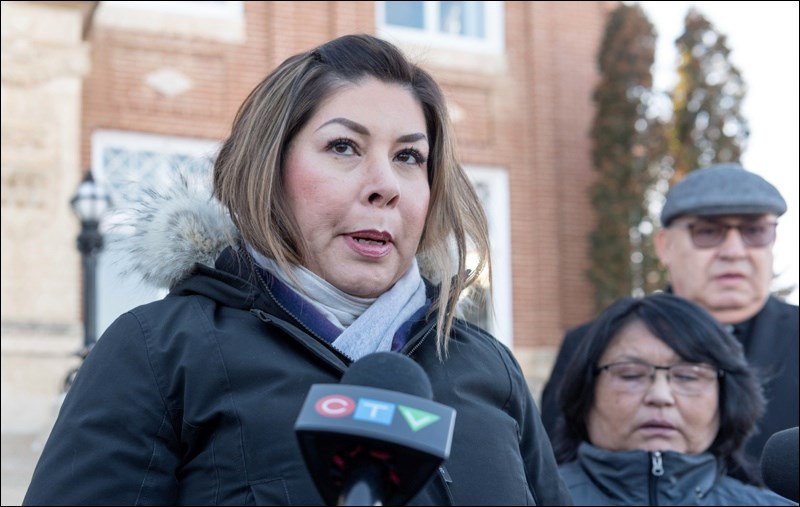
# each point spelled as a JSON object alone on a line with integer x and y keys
{"x": 90, "y": 203}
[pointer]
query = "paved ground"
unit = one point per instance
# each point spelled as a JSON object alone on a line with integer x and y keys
{"x": 19, "y": 455}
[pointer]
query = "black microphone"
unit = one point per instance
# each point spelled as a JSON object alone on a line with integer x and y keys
{"x": 779, "y": 463}
{"x": 376, "y": 437}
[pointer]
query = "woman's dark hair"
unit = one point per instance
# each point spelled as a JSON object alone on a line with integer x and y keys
{"x": 697, "y": 338}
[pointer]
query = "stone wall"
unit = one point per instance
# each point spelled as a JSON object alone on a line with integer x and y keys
{"x": 44, "y": 61}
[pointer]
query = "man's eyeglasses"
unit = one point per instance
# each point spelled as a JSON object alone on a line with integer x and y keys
{"x": 711, "y": 234}
{"x": 684, "y": 378}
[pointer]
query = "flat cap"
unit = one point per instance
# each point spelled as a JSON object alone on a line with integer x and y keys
{"x": 723, "y": 189}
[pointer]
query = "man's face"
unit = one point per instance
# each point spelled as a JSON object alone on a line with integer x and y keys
{"x": 730, "y": 279}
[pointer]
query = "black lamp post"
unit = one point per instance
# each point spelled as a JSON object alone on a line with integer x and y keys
{"x": 90, "y": 203}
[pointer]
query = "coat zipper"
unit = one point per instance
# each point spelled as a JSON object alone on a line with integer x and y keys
{"x": 446, "y": 481}
{"x": 656, "y": 471}
{"x": 420, "y": 341}
{"x": 265, "y": 317}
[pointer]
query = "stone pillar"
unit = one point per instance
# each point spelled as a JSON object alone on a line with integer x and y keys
{"x": 44, "y": 60}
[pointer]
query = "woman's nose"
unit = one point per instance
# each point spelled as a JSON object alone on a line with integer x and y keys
{"x": 382, "y": 185}
{"x": 660, "y": 390}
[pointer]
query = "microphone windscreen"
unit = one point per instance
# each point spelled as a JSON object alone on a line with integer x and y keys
{"x": 391, "y": 371}
{"x": 779, "y": 463}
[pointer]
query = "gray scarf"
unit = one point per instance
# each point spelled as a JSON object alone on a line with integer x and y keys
{"x": 368, "y": 324}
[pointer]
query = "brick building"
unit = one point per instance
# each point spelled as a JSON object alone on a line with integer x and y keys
{"x": 129, "y": 89}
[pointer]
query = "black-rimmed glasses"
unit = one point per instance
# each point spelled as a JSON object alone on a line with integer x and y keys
{"x": 684, "y": 378}
{"x": 711, "y": 234}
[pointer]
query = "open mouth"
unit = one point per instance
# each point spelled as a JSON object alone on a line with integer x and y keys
{"x": 369, "y": 241}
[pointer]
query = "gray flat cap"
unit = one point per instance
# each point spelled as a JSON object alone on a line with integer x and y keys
{"x": 724, "y": 189}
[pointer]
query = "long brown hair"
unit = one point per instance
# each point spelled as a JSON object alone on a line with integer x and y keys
{"x": 248, "y": 177}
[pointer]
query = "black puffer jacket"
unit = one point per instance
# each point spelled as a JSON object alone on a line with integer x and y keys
{"x": 192, "y": 400}
{"x": 600, "y": 477}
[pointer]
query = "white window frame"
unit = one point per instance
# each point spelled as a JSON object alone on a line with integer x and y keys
{"x": 216, "y": 21}
{"x": 230, "y": 10}
{"x": 492, "y": 43}
{"x": 497, "y": 211}
{"x": 137, "y": 141}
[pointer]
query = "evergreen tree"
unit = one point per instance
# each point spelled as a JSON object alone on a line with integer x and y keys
{"x": 708, "y": 126}
{"x": 628, "y": 148}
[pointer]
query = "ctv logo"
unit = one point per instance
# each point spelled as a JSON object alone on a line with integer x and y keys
{"x": 373, "y": 411}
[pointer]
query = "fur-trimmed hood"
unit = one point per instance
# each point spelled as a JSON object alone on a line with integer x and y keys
{"x": 169, "y": 228}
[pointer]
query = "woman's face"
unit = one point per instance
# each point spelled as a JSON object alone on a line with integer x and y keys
{"x": 357, "y": 183}
{"x": 657, "y": 418}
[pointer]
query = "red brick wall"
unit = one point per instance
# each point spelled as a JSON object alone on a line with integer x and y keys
{"x": 533, "y": 120}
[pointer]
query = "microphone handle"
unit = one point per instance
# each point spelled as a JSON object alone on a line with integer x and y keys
{"x": 363, "y": 485}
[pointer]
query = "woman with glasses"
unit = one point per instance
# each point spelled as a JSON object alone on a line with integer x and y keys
{"x": 658, "y": 402}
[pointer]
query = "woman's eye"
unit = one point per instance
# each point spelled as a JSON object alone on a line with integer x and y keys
{"x": 342, "y": 147}
{"x": 411, "y": 157}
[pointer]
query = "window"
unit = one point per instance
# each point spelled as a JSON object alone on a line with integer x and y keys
{"x": 491, "y": 185}
{"x": 467, "y": 26}
{"x": 214, "y": 10}
{"x": 120, "y": 160}
{"x": 216, "y": 21}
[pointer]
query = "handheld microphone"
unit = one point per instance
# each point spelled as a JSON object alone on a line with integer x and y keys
{"x": 779, "y": 463}
{"x": 376, "y": 437}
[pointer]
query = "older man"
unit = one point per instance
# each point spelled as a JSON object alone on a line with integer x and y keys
{"x": 716, "y": 243}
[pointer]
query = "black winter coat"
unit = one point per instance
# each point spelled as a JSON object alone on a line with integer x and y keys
{"x": 600, "y": 477}
{"x": 192, "y": 400}
{"x": 771, "y": 345}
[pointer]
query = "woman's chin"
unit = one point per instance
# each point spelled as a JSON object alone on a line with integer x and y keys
{"x": 661, "y": 444}
{"x": 364, "y": 287}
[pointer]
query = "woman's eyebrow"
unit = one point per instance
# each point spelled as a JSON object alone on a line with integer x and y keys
{"x": 354, "y": 126}
{"x": 361, "y": 129}
{"x": 411, "y": 138}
